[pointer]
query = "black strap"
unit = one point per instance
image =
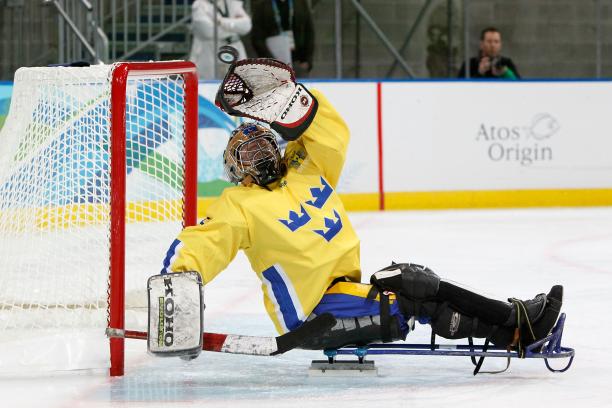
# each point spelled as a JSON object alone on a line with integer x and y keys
{"x": 471, "y": 339}
{"x": 340, "y": 279}
{"x": 481, "y": 359}
{"x": 372, "y": 293}
{"x": 485, "y": 347}
{"x": 385, "y": 315}
{"x": 224, "y": 13}
{"x": 385, "y": 318}
{"x": 471, "y": 343}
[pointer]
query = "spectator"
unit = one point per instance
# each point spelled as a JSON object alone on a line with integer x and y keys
{"x": 490, "y": 63}
{"x": 283, "y": 29}
{"x": 232, "y": 22}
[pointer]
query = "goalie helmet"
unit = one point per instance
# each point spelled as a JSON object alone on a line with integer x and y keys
{"x": 252, "y": 151}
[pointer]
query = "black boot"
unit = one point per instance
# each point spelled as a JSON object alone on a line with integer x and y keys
{"x": 545, "y": 324}
{"x": 530, "y": 320}
{"x": 534, "y": 319}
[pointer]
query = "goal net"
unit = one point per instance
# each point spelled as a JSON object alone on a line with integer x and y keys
{"x": 97, "y": 176}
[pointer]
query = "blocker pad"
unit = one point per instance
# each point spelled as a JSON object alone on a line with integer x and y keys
{"x": 176, "y": 314}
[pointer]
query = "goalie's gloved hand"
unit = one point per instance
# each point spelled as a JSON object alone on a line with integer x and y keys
{"x": 264, "y": 89}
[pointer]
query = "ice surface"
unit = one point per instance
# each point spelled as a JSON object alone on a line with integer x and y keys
{"x": 500, "y": 253}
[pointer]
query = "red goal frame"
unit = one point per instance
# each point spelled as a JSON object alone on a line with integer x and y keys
{"x": 121, "y": 73}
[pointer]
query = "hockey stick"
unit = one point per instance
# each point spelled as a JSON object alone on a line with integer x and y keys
{"x": 251, "y": 345}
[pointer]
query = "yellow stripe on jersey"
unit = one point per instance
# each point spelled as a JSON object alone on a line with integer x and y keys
{"x": 354, "y": 289}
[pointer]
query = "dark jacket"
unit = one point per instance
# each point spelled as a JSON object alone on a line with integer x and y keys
{"x": 475, "y": 61}
{"x": 265, "y": 25}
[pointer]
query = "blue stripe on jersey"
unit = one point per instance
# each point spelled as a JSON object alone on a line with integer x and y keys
{"x": 169, "y": 255}
{"x": 282, "y": 298}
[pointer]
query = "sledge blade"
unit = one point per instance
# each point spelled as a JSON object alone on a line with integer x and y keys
{"x": 323, "y": 368}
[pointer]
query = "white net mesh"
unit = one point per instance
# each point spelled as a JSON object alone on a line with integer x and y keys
{"x": 55, "y": 151}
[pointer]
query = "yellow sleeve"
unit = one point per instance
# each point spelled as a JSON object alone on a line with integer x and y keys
{"x": 326, "y": 140}
{"x": 208, "y": 248}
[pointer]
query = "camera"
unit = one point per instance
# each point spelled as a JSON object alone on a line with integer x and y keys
{"x": 496, "y": 63}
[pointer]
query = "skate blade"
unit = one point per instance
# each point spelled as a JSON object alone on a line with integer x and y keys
{"x": 322, "y": 368}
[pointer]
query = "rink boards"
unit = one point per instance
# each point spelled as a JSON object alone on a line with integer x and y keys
{"x": 426, "y": 144}
{"x": 451, "y": 144}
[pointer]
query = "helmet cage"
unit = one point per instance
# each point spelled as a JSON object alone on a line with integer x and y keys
{"x": 252, "y": 150}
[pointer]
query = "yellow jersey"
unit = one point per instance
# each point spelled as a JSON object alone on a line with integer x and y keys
{"x": 297, "y": 235}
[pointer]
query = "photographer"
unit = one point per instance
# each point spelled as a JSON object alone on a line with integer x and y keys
{"x": 490, "y": 63}
{"x": 232, "y": 22}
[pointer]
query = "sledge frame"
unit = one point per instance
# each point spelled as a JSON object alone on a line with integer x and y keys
{"x": 546, "y": 348}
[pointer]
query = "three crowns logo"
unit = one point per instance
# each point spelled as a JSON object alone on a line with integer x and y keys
{"x": 320, "y": 195}
{"x": 296, "y": 221}
{"x": 333, "y": 227}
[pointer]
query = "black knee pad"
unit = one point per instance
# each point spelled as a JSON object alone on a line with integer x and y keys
{"x": 412, "y": 281}
{"x": 358, "y": 331}
{"x": 451, "y": 324}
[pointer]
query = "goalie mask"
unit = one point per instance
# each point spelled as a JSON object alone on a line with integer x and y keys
{"x": 252, "y": 151}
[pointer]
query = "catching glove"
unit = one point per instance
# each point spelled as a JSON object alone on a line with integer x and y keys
{"x": 264, "y": 89}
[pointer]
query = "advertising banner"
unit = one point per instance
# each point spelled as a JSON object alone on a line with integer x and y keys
{"x": 496, "y": 135}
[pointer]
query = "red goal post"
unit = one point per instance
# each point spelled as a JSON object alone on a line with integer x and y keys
{"x": 121, "y": 73}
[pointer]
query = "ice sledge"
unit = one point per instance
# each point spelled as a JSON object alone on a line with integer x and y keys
{"x": 546, "y": 348}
